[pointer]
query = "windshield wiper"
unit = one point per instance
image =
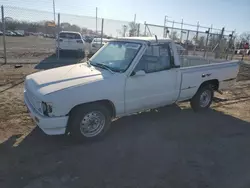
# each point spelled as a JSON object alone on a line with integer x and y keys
{"x": 89, "y": 62}
{"x": 103, "y": 67}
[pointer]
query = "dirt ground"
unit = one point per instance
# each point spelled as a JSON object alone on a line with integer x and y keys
{"x": 28, "y": 49}
{"x": 168, "y": 147}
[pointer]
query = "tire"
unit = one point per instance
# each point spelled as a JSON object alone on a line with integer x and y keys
{"x": 85, "y": 113}
{"x": 81, "y": 54}
{"x": 206, "y": 92}
{"x": 60, "y": 52}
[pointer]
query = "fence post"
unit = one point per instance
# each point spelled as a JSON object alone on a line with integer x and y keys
{"x": 138, "y": 30}
{"x": 58, "y": 37}
{"x": 234, "y": 46}
{"x": 196, "y": 38}
{"x": 102, "y": 30}
{"x": 4, "y": 41}
{"x": 229, "y": 44}
{"x": 208, "y": 33}
{"x": 218, "y": 48}
{"x": 164, "y": 29}
{"x": 172, "y": 29}
{"x": 149, "y": 30}
{"x": 187, "y": 40}
{"x": 181, "y": 29}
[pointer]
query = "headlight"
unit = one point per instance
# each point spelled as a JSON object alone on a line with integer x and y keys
{"x": 46, "y": 108}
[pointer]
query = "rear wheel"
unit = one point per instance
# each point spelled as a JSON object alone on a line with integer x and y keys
{"x": 203, "y": 98}
{"x": 89, "y": 122}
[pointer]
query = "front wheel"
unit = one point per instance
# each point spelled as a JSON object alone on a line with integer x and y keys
{"x": 202, "y": 99}
{"x": 89, "y": 122}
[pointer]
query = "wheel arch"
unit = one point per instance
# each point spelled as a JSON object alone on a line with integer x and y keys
{"x": 107, "y": 103}
{"x": 214, "y": 83}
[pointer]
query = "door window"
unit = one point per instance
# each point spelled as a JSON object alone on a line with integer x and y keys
{"x": 155, "y": 59}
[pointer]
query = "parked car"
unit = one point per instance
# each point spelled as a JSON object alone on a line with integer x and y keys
{"x": 96, "y": 44}
{"x": 242, "y": 52}
{"x": 128, "y": 75}
{"x": 88, "y": 39}
{"x": 18, "y": 34}
{"x": 71, "y": 41}
{"x": 49, "y": 36}
{"x": 10, "y": 33}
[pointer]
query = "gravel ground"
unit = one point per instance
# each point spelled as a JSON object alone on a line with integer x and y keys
{"x": 168, "y": 147}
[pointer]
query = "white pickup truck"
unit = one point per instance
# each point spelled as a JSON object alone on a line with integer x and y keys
{"x": 125, "y": 76}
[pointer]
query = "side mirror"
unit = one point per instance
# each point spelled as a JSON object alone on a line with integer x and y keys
{"x": 140, "y": 73}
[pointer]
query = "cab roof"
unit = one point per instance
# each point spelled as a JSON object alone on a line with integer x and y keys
{"x": 70, "y": 32}
{"x": 145, "y": 39}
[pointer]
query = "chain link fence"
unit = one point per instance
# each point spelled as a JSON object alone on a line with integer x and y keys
{"x": 196, "y": 39}
{"x": 31, "y": 36}
{"x": 25, "y": 37}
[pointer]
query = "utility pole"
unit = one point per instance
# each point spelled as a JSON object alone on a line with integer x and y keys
{"x": 135, "y": 19}
{"x": 96, "y": 20}
{"x": 54, "y": 12}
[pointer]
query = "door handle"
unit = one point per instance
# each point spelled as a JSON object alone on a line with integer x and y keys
{"x": 204, "y": 75}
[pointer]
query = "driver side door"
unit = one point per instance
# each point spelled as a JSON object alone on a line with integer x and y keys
{"x": 152, "y": 83}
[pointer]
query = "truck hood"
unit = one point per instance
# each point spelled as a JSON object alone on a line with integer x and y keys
{"x": 49, "y": 81}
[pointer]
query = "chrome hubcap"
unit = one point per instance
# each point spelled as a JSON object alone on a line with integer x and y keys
{"x": 205, "y": 98}
{"x": 92, "y": 124}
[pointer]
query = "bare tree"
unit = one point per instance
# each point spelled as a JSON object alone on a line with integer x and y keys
{"x": 133, "y": 29}
{"x": 245, "y": 37}
{"x": 201, "y": 42}
{"x": 174, "y": 36}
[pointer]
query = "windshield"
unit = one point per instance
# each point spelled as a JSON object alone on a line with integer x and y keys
{"x": 69, "y": 35}
{"x": 116, "y": 55}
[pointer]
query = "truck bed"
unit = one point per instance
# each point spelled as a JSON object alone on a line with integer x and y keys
{"x": 196, "y": 70}
{"x": 187, "y": 61}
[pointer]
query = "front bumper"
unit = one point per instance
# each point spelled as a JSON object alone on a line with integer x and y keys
{"x": 49, "y": 125}
{"x": 71, "y": 48}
